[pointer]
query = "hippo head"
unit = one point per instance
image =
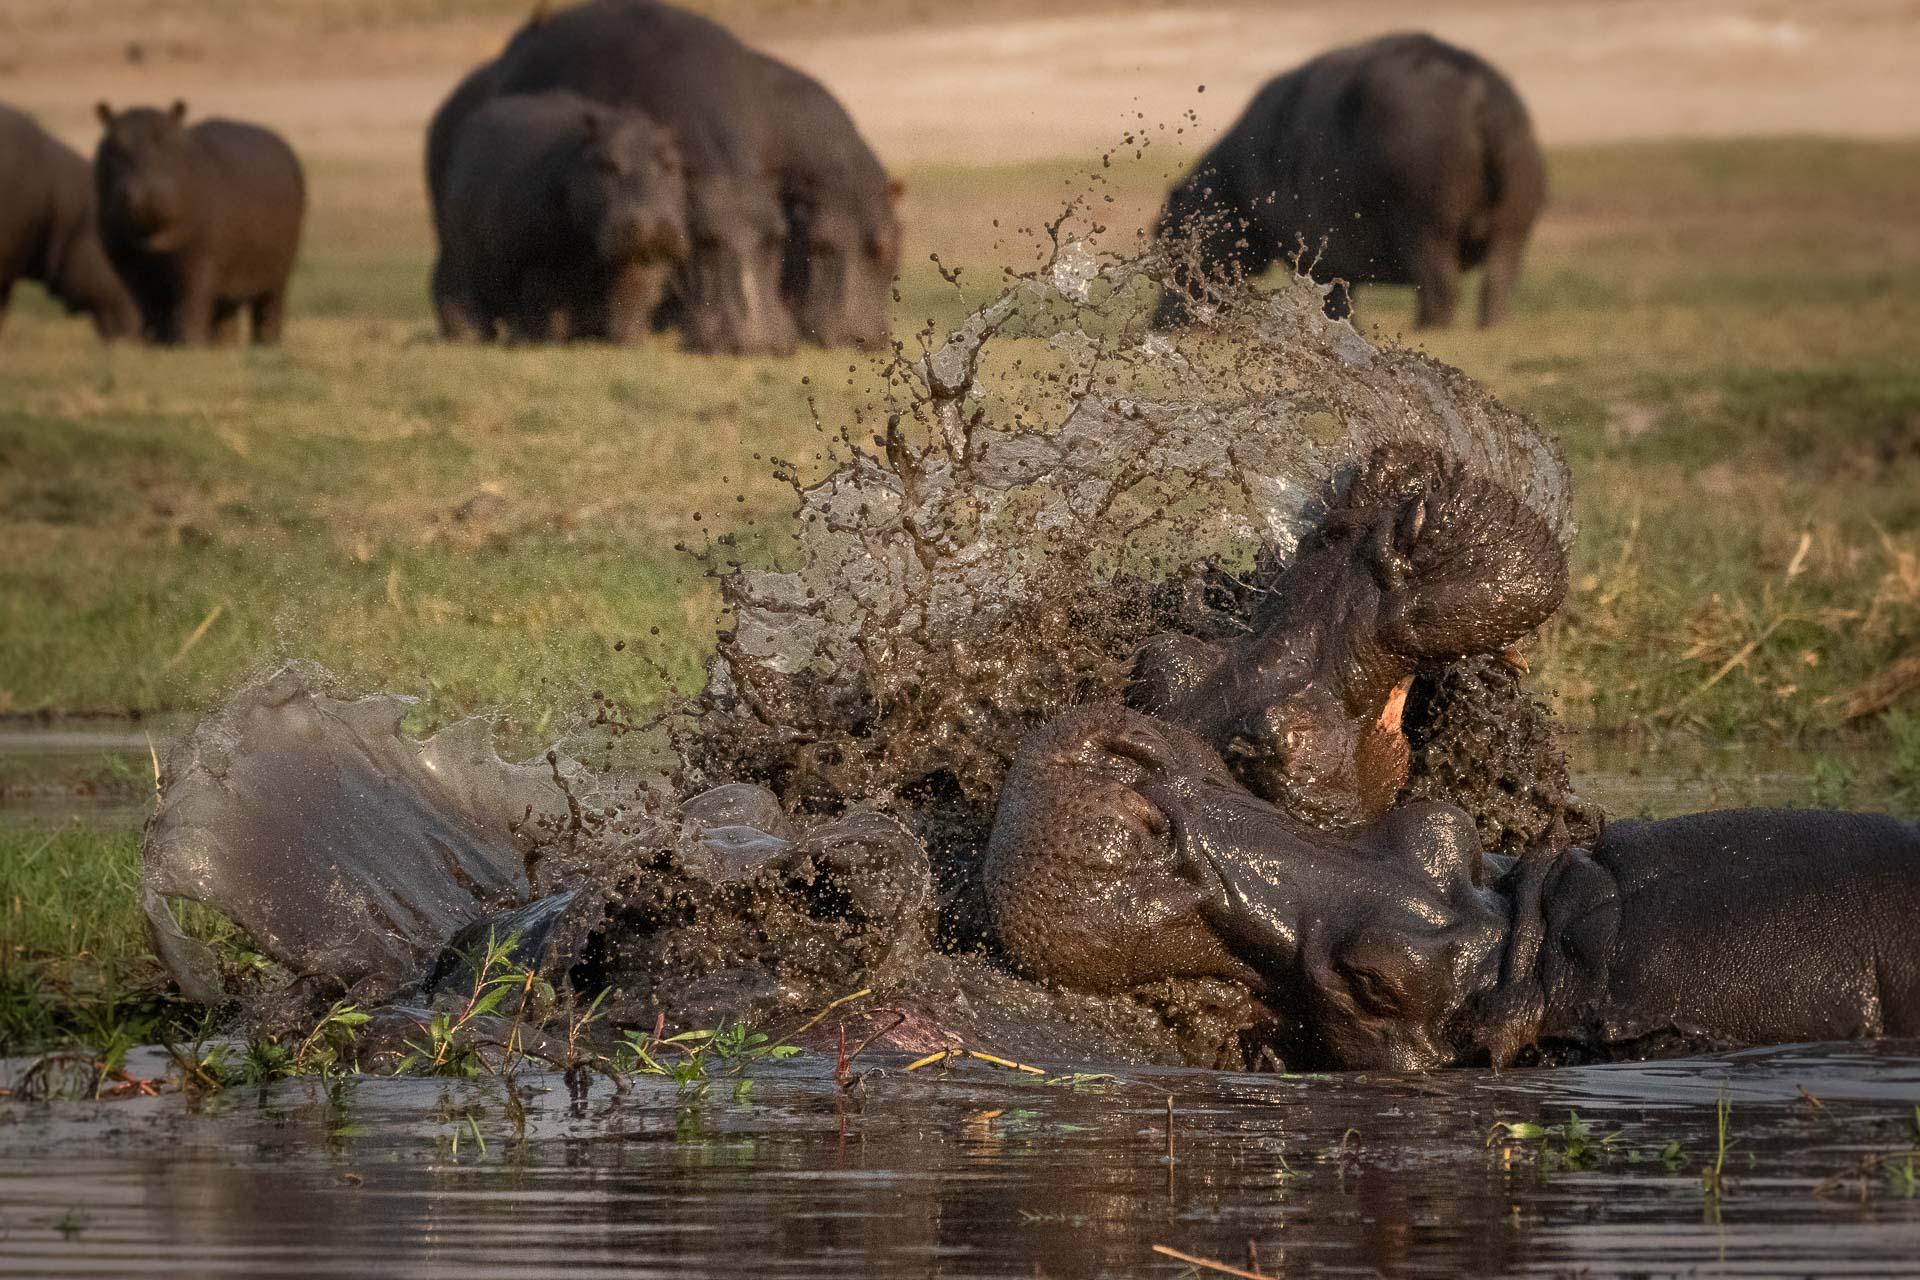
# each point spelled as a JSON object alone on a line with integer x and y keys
{"x": 1124, "y": 852}
{"x": 843, "y": 250}
{"x": 1418, "y": 562}
{"x": 142, "y": 174}
{"x": 628, "y": 192}
{"x": 732, "y": 289}
{"x": 1081, "y": 872}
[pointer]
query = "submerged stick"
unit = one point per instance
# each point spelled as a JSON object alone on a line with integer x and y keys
{"x": 814, "y": 1021}
{"x": 1210, "y": 1265}
{"x": 948, "y": 1055}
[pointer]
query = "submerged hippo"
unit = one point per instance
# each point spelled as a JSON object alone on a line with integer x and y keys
{"x": 200, "y": 221}
{"x": 1420, "y": 560}
{"x": 1403, "y": 160}
{"x": 1125, "y": 851}
{"x": 48, "y": 232}
{"x": 560, "y": 218}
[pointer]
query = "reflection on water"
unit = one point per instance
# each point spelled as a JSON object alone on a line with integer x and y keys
{"x": 979, "y": 1173}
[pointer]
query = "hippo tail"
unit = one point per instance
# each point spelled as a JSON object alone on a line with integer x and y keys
{"x": 1514, "y": 180}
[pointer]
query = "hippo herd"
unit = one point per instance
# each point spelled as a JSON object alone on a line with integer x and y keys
{"x": 624, "y": 167}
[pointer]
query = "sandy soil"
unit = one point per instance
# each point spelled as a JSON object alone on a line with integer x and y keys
{"x": 973, "y": 91}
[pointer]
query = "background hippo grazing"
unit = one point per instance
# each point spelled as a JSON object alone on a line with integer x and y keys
{"x": 560, "y": 218}
{"x": 704, "y": 86}
{"x": 1401, "y": 946}
{"x": 48, "y": 232}
{"x": 843, "y": 239}
{"x": 1403, "y": 160}
{"x": 199, "y": 222}
{"x": 473, "y": 91}
{"x": 792, "y": 213}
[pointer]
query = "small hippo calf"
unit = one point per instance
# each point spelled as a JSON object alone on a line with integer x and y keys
{"x": 559, "y": 218}
{"x": 47, "y": 231}
{"x": 199, "y": 222}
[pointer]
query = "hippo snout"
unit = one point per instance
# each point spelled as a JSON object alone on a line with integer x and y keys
{"x": 645, "y": 238}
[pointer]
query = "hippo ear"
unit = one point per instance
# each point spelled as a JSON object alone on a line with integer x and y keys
{"x": 178, "y": 111}
{"x": 105, "y": 113}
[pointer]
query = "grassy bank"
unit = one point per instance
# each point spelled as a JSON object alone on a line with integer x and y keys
{"x": 1724, "y": 335}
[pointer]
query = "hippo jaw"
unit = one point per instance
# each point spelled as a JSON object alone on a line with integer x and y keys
{"x": 1079, "y": 871}
{"x": 1419, "y": 562}
{"x": 1388, "y": 944}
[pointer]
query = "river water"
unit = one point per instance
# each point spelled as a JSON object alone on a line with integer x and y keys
{"x": 979, "y": 1172}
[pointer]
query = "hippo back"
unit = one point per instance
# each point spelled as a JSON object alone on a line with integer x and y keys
{"x": 1758, "y": 925}
{"x": 47, "y": 227}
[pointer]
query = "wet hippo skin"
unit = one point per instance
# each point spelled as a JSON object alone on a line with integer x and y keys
{"x": 1124, "y": 850}
{"x": 1419, "y": 561}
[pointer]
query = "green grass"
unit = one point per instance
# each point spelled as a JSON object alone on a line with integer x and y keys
{"x": 73, "y": 947}
{"x": 1726, "y": 335}
{"x": 1723, "y": 333}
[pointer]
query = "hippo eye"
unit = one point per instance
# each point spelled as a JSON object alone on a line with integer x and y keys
{"x": 1373, "y": 991}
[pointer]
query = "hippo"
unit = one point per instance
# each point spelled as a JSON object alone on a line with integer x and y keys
{"x": 199, "y": 221}
{"x": 1124, "y": 851}
{"x": 1419, "y": 560}
{"x": 468, "y": 96}
{"x": 560, "y": 218}
{"x": 1403, "y": 160}
{"x": 705, "y": 87}
{"x": 47, "y": 229}
{"x": 843, "y": 235}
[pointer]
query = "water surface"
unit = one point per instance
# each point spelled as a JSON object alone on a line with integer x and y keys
{"x": 978, "y": 1172}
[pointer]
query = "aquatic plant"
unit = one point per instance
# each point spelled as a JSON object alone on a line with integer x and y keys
{"x": 451, "y": 1049}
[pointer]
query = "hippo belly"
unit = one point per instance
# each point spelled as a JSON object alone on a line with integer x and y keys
{"x": 1765, "y": 926}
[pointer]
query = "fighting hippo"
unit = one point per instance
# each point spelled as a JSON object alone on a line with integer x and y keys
{"x": 47, "y": 229}
{"x": 199, "y": 221}
{"x": 1125, "y": 851}
{"x": 704, "y": 86}
{"x": 1419, "y": 561}
{"x": 843, "y": 237}
{"x": 1403, "y": 160}
{"x": 560, "y": 218}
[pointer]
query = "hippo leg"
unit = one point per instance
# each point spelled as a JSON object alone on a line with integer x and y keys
{"x": 1436, "y": 275}
{"x": 190, "y": 321}
{"x": 454, "y": 305}
{"x": 269, "y": 315}
{"x": 225, "y": 328}
{"x": 1502, "y": 273}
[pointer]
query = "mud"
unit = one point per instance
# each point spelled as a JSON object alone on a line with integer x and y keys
{"x": 999, "y": 529}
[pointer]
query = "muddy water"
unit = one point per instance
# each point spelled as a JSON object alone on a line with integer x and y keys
{"x": 979, "y": 1173}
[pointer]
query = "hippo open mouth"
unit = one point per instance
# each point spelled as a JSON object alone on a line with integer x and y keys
{"x": 1053, "y": 867}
